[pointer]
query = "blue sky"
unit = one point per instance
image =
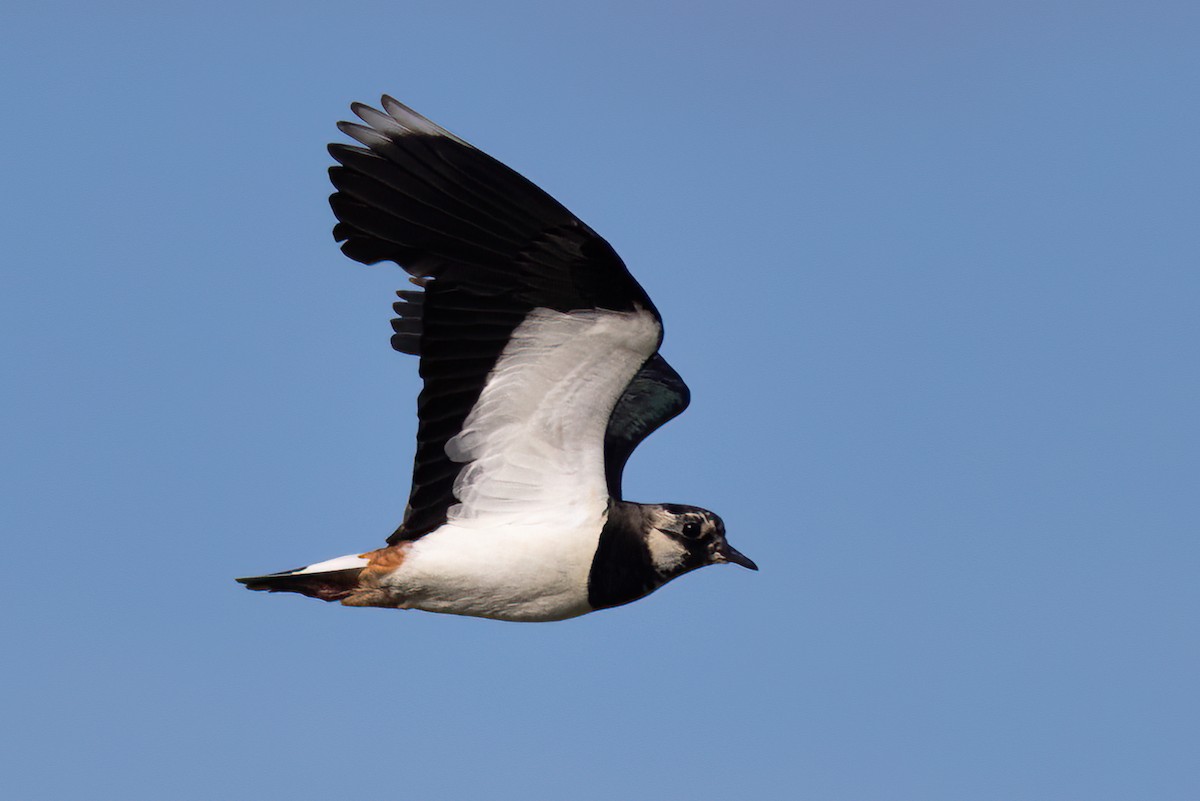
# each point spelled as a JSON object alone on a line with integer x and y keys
{"x": 930, "y": 270}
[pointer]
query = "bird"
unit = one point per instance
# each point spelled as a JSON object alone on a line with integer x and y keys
{"x": 539, "y": 355}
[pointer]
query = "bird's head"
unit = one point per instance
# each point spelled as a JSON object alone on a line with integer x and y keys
{"x": 682, "y": 538}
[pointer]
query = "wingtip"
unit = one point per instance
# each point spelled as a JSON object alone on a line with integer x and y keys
{"x": 391, "y": 105}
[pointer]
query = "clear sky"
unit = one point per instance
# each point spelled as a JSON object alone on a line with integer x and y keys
{"x": 931, "y": 269}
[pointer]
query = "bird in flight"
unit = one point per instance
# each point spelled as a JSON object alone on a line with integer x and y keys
{"x": 539, "y": 356}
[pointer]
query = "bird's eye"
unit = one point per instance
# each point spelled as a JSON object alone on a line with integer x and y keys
{"x": 691, "y": 530}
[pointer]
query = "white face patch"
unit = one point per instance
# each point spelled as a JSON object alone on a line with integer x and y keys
{"x": 666, "y": 553}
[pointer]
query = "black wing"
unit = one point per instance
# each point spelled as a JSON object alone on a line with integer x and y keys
{"x": 654, "y": 396}
{"x": 486, "y": 245}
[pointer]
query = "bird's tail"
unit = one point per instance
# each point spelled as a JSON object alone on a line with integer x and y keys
{"x": 332, "y": 580}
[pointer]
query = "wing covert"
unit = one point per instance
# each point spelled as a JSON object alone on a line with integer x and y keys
{"x": 655, "y": 395}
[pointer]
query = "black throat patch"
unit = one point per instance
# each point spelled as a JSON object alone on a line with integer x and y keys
{"x": 621, "y": 569}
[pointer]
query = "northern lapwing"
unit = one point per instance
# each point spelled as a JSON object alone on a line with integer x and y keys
{"x": 539, "y": 355}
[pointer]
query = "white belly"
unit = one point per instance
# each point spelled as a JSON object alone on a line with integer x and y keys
{"x": 518, "y": 572}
